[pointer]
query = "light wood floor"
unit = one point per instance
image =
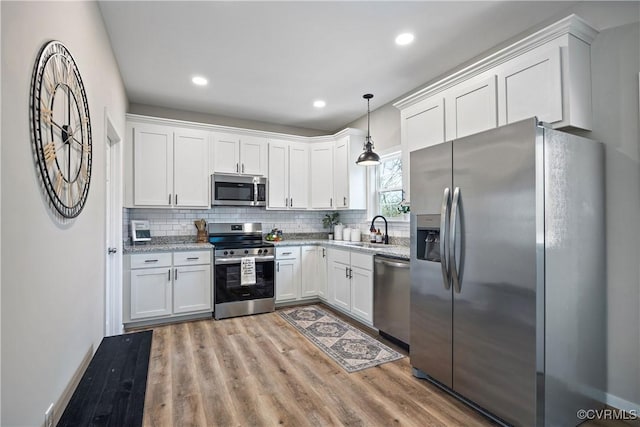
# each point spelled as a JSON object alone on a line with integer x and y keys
{"x": 259, "y": 371}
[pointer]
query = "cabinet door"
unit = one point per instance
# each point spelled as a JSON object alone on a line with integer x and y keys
{"x": 309, "y": 269}
{"x": 471, "y": 108}
{"x": 298, "y": 175}
{"x": 362, "y": 293}
{"x": 531, "y": 86}
{"x": 278, "y": 175}
{"x": 287, "y": 279}
{"x": 341, "y": 285}
{"x": 321, "y": 176}
{"x": 226, "y": 156}
{"x": 190, "y": 168}
{"x": 153, "y": 166}
{"x": 423, "y": 124}
{"x": 150, "y": 292}
{"x": 192, "y": 288}
{"x": 321, "y": 272}
{"x": 253, "y": 157}
{"x": 341, "y": 173}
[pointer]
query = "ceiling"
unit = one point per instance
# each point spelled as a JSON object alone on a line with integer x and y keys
{"x": 268, "y": 61}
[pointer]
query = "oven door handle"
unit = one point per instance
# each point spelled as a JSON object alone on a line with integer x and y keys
{"x": 265, "y": 258}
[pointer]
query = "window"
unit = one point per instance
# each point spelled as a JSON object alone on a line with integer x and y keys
{"x": 389, "y": 186}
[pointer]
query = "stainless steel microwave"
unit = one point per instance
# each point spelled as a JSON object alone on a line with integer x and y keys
{"x": 236, "y": 190}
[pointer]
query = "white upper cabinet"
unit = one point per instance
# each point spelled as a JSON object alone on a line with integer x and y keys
{"x": 253, "y": 155}
{"x": 190, "y": 166}
{"x": 288, "y": 175}
{"x": 471, "y": 107}
{"x": 423, "y": 124}
{"x": 321, "y": 176}
{"x": 153, "y": 160}
{"x": 225, "y": 156}
{"x": 298, "y": 175}
{"x": 278, "y": 182}
{"x": 546, "y": 74}
{"x": 170, "y": 167}
{"x": 349, "y": 179}
{"x": 239, "y": 154}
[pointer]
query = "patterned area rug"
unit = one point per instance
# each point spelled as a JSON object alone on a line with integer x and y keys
{"x": 351, "y": 348}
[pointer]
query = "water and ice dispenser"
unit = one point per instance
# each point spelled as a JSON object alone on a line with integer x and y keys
{"x": 428, "y": 237}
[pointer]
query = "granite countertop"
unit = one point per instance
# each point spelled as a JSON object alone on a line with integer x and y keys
{"x": 393, "y": 251}
{"x": 166, "y": 245}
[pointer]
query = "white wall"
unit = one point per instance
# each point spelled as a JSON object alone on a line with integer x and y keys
{"x": 190, "y": 116}
{"x": 385, "y": 126}
{"x": 52, "y": 274}
{"x": 615, "y": 64}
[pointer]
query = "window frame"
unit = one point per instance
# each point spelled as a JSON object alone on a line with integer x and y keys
{"x": 374, "y": 179}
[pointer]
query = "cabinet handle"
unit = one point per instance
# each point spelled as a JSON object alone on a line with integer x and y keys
{"x": 176, "y": 197}
{"x": 286, "y": 201}
{"x": 169, "y": 198}
{"x": 150, "y": 260}
{"x": 278, "y": 267}
{"x": 193, "y": 258}
{"x": 175, "y": 274}
{"x": 291, "y": 202}
{"x": 346, "y": 272}
{"x": 169, "y": 277}
{"x": 243, "y": 168}
{"x": 344, "y": 201}
{"x": 237, "y": 168}
{"x": 350, "y": 273}
{"x": 323, "y": 253}
{"x": 286, "y": 253}
{"x": 331, "y": 202}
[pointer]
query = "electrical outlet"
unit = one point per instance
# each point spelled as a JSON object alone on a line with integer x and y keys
{"x": 48, "y": 417}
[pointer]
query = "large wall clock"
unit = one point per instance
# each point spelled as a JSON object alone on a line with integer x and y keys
{"x": 61, "y": 129}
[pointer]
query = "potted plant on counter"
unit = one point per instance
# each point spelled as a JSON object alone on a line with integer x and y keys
{"x": 329, "y": 221}
{"x": 404, "y": 209}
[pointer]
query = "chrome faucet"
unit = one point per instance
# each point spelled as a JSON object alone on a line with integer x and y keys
{"x": 386, "y": 230}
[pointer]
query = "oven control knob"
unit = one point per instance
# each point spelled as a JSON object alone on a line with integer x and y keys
{"x": 226, "y": 253}
{"x": 259, "y": 251}
{"x": 246, "y": 251}
{"x": 230, "y": 252}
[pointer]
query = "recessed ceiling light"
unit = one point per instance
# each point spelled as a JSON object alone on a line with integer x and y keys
{"x": 199, "y": 81}
{"x": 404, "y": 39}
{"x": 319, "y": 103}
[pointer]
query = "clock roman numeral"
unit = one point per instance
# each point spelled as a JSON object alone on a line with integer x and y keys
{"x": 49, "y": 152}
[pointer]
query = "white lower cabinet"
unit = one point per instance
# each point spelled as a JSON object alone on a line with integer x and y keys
{"x": 164, "y": 285}
{"x": 150, "y": 292}
{"x": 288, "y": 275}
{"x": 301, "y": 273}
{"x": 350, "y": 282}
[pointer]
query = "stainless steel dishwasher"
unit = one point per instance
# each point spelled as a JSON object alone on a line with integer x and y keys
{"x": 391, "y": 293}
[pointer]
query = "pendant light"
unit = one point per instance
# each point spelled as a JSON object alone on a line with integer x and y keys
{"x": 368, "y": 157}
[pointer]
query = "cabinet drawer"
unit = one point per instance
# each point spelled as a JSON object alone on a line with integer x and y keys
{"x": 339, "y": 255}
{"x": 157, "y": 259}
{"x": 364, "y": 261}
{"x": 192, "y": 258}
{"x": 288, "y": 252}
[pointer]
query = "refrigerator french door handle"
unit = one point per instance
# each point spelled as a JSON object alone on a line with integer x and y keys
{"x": 452, "y": 240}
{"x": 444, "y": 219}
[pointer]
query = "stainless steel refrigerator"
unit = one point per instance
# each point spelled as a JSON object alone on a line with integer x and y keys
{"x": 508, "y": 272}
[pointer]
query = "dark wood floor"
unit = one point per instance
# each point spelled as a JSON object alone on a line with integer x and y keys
{"x": 259, "y": 371}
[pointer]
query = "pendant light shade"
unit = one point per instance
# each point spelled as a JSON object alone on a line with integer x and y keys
{"x": 368, "y": 157}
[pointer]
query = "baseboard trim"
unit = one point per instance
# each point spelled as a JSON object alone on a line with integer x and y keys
{"x": 67, "y": 393}
{"x": 625, "y": 405}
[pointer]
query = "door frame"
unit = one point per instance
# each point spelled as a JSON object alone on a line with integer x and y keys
{"x": 113, "y": 324}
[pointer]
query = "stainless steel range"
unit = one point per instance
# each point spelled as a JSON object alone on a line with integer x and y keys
{"x": 244, "y": 270}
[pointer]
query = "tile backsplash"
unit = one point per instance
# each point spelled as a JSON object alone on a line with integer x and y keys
{"x": 179, "y": 222}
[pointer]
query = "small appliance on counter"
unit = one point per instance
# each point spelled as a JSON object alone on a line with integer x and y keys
{"x": 338, "y": 229}
{"x": 140, "y": 231}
